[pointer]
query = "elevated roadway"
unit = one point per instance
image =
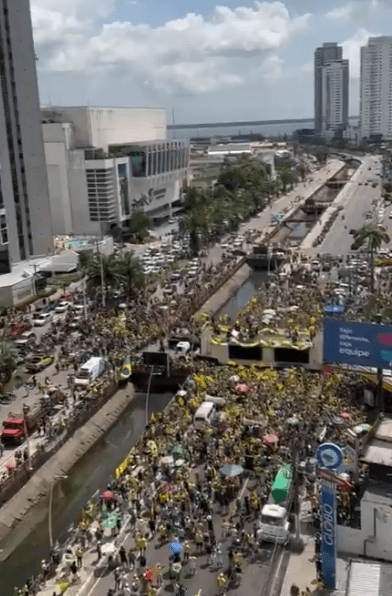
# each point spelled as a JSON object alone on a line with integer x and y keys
{"x": 358, "y": 202}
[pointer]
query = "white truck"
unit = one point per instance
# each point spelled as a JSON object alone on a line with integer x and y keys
{"x": 274, "y": 525}
{"x": 90, "y": 371}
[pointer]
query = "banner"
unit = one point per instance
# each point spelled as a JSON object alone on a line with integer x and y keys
{"x": 361, "y": 344}
{"x": 328, "y": 534}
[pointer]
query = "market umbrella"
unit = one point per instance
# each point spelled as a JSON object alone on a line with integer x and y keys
{"x": 175, "y": 548}
{"x": 337, "y": 421}
{"x": 179, "y": 463}
{"x": 231, "y": 470}
{"x": 108, "y": 549}
{"x": 242, "y": 388}
{"x": 107, "y": 495}
{"x": 362, "y": 428}
{"x": 234, "y": 379}
{"x": 181, "y": 393}
{"x": 345, "y": 415}
{"x": 168, "y": 460}
{"x": 178, "y": 452}
{"x": 293, "y": 420}
{"x": 270, "y": 439}
{"x": 110, "y": 521}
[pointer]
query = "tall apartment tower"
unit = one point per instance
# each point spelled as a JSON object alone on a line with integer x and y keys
{"x": 376, "y": 88}
{"x": 334, "y": 104}
{"x": 327, "y": 53}
{"x": 23, "y": 169}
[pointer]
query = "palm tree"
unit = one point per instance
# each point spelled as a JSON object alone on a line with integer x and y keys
{"x": 371, "y": 236}
{"x": 130, "y": 268}
{"x": 105, "y": 270}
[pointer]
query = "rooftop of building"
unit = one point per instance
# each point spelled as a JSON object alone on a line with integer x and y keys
{"x": 378, "y": 491}
{"x": 88, "y": 107}
{"x": 369, "y": 578}
{"x": 379, "y": 450}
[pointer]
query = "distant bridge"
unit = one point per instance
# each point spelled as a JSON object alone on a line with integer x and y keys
{"x": 244, "y": 123}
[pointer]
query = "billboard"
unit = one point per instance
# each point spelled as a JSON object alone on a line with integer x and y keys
{"x": 361, "y": 344}
{"x": 328, "y": 534}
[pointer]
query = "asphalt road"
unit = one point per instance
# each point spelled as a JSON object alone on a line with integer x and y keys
{"x": 360, "y": 200}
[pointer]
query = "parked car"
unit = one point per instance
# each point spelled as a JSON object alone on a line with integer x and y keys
{"x": 38, "y": 362}
{"x": 27, "y": 339}
{"x": 62, "y": 306}
{"x": 17, "y": 330}
{"x": 42, "y": 319}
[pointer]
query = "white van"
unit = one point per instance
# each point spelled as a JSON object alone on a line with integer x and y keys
{"x": 204, "y": 415}
{"x": 90, "y": 371}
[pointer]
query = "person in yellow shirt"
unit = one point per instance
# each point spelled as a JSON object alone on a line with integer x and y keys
{"x": 221, "y": 581}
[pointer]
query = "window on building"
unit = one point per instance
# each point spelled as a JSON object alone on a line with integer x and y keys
{"x": 243, "y": 353}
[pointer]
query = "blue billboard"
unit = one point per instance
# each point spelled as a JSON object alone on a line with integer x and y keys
{"x": 361, "y": 344}
{"x": 328, "y": 534}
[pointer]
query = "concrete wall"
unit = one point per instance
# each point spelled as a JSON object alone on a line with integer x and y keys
{"x": 101, "y": 127}
{"x": 349, "y": 540}
{"x": 22, "y": 513}
{"x": 126, "y": 125}
{"x": 56, "y": 155}
{"x": 79, "y": 199}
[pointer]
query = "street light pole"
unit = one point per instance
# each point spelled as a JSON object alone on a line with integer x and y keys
{"x": 148, "y": 395}
{"x": 50, "y": 508}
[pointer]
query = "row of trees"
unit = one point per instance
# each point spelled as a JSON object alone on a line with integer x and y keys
{"x": 371, "y": 237}
{"x": 240, "y": 192}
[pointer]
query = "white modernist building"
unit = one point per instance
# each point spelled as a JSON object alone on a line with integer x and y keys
{"x": 334, "y": 101}
{"x": 376, "y": 88}
{"x": 105, "y": 163}
{"x": 24, "y": 195}
{"x": 329, "y": 52}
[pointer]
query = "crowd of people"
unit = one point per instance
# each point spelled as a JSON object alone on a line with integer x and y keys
{"x": 172, "y": 485}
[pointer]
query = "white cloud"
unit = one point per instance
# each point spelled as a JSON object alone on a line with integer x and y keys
{"x": 272, "y": 68}
{"x": 342, "y": 12}
{"x": 190, "y": 54}
{"x": 360, "y": 11}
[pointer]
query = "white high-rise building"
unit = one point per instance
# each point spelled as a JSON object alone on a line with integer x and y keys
{"x": 376, "y": 88}
{"x": 334, "y": 105}
{"x": 329, "y": 52}
{"x": 23, "y": 168}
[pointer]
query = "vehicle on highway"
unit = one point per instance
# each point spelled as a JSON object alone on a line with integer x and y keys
{"x": 90, "y": 371}
{"x": 37, "y": 362}
{"x": 42, "y": 319}
{"x": 62, "y": 306}
{"x": 274, "y": 523}
{"x": 374, "y": 184}
{"x": 27, "y": 339}
{"x": 15, "y": 428}
{"x": 17, "y": 330}
{"x": 76, "y": 321}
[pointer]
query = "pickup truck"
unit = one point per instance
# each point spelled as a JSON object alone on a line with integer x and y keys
{"x": 14, "y": 428}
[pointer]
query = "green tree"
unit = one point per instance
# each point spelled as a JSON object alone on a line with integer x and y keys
{"x": 132, "y": 271}
{"x": 139, "y": 225}
{"x": 7, "y": 357}
{"x": 107, "y": 270}
{"x": 371, "y": 236}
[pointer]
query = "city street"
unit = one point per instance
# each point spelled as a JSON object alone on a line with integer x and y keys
{"x": 360, "y": 207}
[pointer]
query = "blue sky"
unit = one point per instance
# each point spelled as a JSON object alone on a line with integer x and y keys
{"x": 208, "y": 61}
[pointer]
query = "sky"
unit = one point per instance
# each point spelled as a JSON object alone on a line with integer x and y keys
{"x": 205, "y": 62}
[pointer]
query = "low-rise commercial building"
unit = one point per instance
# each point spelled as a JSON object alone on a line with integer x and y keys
{"x": 105, "y": 163}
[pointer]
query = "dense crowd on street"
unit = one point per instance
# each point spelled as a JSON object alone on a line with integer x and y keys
{"x": 174, "y": 487}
